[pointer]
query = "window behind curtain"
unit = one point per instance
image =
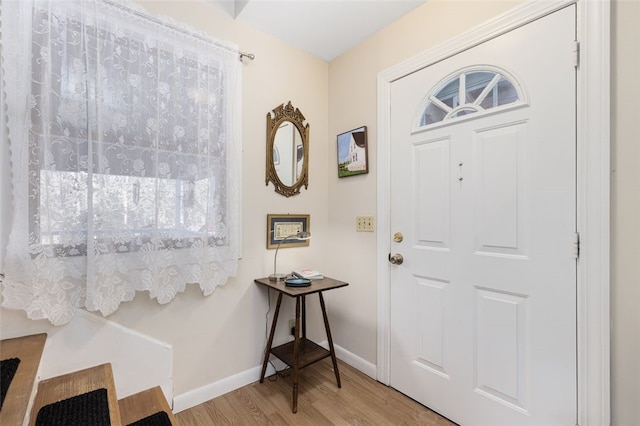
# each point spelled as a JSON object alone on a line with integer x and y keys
{"x": 130, "y": 170}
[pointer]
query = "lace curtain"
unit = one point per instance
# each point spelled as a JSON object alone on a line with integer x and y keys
{"x": 125, "y": 157}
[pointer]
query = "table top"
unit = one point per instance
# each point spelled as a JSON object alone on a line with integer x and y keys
{"x": 316, "y": 286}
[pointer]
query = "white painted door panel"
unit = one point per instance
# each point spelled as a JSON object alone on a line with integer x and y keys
{"x": 483, "y": 308}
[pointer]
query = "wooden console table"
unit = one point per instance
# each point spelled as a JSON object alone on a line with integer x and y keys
{"x": 302, "y": 351}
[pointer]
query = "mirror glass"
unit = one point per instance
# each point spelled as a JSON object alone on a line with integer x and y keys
{"x": 288, "y": 153}
{"x": 287, "y": 150}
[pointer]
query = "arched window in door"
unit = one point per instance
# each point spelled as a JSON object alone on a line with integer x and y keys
{"x": 470, "y": 91}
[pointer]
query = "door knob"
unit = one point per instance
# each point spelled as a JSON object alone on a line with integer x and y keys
{"x": 396, "y": 259}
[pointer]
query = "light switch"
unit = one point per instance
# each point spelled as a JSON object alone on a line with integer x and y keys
{"x": 365, "y": 224}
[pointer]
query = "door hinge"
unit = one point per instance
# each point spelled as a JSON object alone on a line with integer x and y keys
{"x": 576, "y": 53}
{"x": 576, "y": 245}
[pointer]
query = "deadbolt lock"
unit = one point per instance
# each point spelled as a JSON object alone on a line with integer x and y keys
{"x": 398, "y": 237}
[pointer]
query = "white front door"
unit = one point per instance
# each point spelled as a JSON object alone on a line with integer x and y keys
{"x": 483, "y": 308}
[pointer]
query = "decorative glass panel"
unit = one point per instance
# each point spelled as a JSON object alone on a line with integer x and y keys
{"x": 476, "y": 82}
{"x": 502, "y": 93}
{"x": 468, "y": 93}
{"x": 432, "y": 114}
{"x": 449, "y": 93}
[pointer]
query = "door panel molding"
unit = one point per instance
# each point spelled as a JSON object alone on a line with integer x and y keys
{"x": 503, "y": 316}
{"x": 593, "y": 154}
{"x": 432, "y": 165}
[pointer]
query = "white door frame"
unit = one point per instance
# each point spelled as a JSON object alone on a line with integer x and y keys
{"x": 593, "y": 150}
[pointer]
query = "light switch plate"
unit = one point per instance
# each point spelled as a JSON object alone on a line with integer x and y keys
{"x": 365, "y": 224}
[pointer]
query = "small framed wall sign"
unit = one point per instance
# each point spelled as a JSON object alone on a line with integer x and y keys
{"x": 352, "y": 152}
{"x": 281, "y": 226}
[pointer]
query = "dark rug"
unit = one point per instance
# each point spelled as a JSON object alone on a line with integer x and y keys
{"x": 8, "y": 368}
{"x": 91, "y": 408}
{"x": 158, "y": 419}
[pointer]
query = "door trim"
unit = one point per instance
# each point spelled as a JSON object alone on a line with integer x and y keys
{"x": 593, "y": 193}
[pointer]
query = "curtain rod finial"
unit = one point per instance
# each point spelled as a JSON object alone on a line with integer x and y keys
{"x": 250, "y": 56}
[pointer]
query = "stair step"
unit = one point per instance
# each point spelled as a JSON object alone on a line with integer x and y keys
{"x": 28, "y": 350}
{"x": 144, "y": 404}
{"x": 74, "y": 384}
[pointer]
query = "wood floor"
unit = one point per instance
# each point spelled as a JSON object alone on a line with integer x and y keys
{"x": 360, "y": 401}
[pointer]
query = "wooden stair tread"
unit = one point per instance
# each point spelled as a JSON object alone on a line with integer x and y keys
{"x": 77, "y": 383}
{"x": 29, "y": 350}
{"x": 144, "y": 404}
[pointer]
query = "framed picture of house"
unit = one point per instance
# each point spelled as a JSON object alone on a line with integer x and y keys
{"x": 352, "y": 152}
{"x": 282, "y": 227}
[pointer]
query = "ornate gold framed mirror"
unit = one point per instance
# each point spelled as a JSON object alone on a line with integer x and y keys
{"x": 287, "y": 150}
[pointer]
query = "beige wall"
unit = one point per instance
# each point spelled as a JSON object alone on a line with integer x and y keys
{"x": 625, "y": 213}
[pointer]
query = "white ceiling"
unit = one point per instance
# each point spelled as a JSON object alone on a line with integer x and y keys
{"x": 324, "y": 28}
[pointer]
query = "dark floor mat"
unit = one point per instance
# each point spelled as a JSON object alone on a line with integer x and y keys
{"x": 8, "y": 368}
{"x": 91, "y": 408}
{"x": 158, "y": 419}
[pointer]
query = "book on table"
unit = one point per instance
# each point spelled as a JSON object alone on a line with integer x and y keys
{"x": 310, "y": 274}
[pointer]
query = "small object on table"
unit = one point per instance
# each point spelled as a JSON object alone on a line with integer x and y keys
{"x": 297, "y": 282}
{"x": 308, "y": 273}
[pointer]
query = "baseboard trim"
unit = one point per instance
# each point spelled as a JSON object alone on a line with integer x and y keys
{"x": 213, "y": 390}
{"x": 353, "y": 360}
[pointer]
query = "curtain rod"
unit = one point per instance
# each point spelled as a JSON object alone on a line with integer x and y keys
{"x": 242, "y": 54}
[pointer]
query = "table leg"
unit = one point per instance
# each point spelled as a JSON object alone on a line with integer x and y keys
{"x": 304, "y": 317}
{"x": 329, "y": 339}
{"x": 267, "y": 350}
{"x": 296, "y": 356}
